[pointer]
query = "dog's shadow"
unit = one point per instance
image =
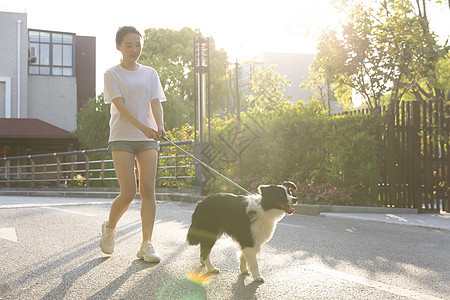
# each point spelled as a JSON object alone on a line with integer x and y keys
{"x": 240, "y": 289}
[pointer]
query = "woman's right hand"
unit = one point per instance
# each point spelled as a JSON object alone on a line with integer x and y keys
{"x": 151, "y": 133}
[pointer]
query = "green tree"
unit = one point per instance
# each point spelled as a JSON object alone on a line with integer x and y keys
{"x": 384, "y": 49}
{"x": 171, "y": 54}
{"x": 93, "y": 124}
{"x": 267, "y": 90}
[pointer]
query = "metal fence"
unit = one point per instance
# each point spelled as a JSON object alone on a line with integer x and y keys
{"x": 91, "y": 168}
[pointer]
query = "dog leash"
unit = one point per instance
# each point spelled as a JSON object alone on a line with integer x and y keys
{"x": 206, "y": 166}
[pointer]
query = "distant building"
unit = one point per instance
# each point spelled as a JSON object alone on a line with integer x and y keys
{"x": 45, "y": 75}
{"x": 294, "y": 66}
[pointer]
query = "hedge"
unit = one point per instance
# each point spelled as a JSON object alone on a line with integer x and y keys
{"x": 333, "y": 159}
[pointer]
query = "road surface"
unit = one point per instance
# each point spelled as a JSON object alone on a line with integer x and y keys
{"x": 52, "y": 252}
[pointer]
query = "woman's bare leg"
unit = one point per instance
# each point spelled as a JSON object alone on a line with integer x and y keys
{"x": 147, "y": 164}
{"x": 124, "y": 165}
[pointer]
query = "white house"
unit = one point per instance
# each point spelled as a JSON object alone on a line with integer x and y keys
{"x": 44, "y": 74}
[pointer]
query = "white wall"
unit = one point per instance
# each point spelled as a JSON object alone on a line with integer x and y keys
{"x": 8, "y": 61}
{"x": 53, "y": 99}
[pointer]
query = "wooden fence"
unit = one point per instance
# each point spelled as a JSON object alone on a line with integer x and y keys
{"x": 414, "y": 168}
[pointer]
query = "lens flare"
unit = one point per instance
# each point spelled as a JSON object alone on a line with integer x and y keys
{"x": 182, "y": 288}
{"x": 198, "y": 278}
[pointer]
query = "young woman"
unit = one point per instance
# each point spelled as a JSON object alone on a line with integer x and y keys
{"x": 136, "y": 127}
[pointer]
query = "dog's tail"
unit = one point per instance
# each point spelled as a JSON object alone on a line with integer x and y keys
{"x": 192, "y": 237}
{"x": 197, "y": 235}
{"x": 201, "y": 229}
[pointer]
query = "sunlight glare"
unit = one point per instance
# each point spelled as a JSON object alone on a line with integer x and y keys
{"x": 287, "y": 26}
{"x": 198, "y": 278}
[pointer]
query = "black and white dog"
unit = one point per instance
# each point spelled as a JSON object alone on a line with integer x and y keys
{"x": 248, "y": 220}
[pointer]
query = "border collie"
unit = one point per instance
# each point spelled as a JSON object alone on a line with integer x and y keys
{"x": 248, "y": 220}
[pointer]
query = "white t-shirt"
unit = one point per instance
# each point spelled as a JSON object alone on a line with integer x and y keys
{"x": 138, "y": 88}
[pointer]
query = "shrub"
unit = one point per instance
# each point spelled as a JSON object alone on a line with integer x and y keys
{"x": 302, "y": 144}
{"x": 170, "y": 156}
{"x": 325, "y": 194}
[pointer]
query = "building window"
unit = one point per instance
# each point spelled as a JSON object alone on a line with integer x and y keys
{"x": 51, "y": 53}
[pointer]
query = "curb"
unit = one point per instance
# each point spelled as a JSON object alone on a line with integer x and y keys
{"x": 316, "y": 210}
{"x": 186, "y": 196}
{"x": 64, "y": 194}
{"x": 395, "y": 222}
{"x": 160, "y": 195}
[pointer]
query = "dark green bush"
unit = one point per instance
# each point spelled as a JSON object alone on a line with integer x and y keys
{"x": 302, "y": 144}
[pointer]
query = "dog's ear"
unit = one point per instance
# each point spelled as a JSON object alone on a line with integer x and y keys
{"x": 291, "y": 186}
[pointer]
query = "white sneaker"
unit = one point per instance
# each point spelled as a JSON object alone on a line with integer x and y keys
{"x": 148, "y": 253}
{"x": 107, "y": 240}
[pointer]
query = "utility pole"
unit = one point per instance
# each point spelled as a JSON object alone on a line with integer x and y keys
{"x": 328, "y": 96}
{"x": 201, "y": 102}
{"x": 238, "y": 122}
{"x": 201, "y": 88}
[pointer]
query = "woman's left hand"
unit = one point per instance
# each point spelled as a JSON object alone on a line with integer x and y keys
{"x": 160, "y": 134}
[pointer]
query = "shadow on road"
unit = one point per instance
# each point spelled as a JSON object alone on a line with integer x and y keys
{"x": 109, "y": 290}
{"x": 249, "y": 290}
{"x": 69, "y": 278}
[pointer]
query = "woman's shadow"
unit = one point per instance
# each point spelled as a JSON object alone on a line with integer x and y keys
{"x": 136, "y": 266}
{"x": 71, "y": 276}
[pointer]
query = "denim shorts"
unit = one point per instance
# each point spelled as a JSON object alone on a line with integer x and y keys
{"x": 134, "y": 147}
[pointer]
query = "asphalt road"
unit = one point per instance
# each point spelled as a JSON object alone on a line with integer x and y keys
{"x": 52, "y": 252}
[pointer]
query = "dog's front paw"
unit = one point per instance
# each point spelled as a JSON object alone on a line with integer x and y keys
{"x": 258, "y": 279}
